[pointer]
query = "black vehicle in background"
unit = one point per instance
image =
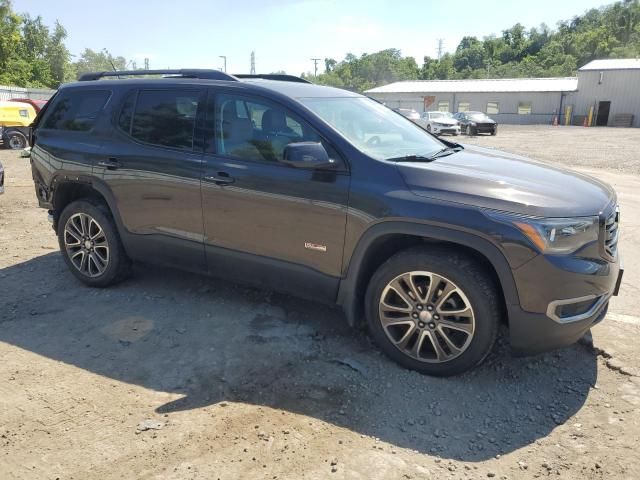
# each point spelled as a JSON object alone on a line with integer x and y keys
{"x": 472, "y": 123}
{"x": 329, "y": 195}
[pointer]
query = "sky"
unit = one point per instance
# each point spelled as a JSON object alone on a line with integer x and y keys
{"x": 285, "y": 34}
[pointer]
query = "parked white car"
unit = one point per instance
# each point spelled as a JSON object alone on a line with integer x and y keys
{"x": 440, "y": 122}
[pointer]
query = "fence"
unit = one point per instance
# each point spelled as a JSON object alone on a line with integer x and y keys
{"x": 7, "y": 93}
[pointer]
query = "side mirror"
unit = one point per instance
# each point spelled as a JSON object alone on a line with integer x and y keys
{"x": 307, "y": 155}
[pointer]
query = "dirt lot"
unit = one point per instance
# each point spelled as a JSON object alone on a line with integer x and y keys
{"x": 171, "y": 375}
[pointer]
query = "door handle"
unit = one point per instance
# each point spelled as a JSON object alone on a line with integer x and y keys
{"x": 109, "y": 164}
{"x": 220, "y": 178}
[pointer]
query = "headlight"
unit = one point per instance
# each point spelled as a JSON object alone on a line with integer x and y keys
{"x": 553, "y": 235}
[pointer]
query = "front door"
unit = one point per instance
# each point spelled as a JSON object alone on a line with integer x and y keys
{"x": 154, "y": 170}
{"x": 265, "y": 222}
{"x": 602, "y": 120}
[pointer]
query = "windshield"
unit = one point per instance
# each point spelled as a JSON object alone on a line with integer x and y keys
{"x": 477, "y": 116}
{"x": 373, "y": 128}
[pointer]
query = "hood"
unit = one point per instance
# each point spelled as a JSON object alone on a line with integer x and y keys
{"x": 483, "y": 121}
{"x": 447, "y": 121}
{"x": 497, "y": 180}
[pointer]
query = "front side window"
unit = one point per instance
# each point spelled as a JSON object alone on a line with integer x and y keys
{"x": 464, "y": 106}
{"x": 165, "y": 118}
{"x": 373, "y": 128}
{"x": 254, "y": 129}
{"x": 492, "y": 108}
{"x": 443, "y": 106}
{"x": 524, "y": 108}
{"x": 77, "y": 110}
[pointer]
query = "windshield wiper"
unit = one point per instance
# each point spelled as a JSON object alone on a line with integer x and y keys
{"x": 423, "y": 158}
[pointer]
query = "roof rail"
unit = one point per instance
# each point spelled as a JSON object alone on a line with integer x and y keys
{"x": 272, "y": 76}
{"x": 183, "y": 72}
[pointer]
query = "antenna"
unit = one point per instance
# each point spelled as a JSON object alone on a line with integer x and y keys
{"x": 440, "y": 48}
{"x": 315, "y": 65}
{"x": 253, "y": 63}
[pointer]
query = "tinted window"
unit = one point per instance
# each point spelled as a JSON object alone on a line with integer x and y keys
{"x": 77, "y": 110}
{"x": 252, "y": 129}
{"x": 126, "y": 114}
{"x": 164, "y": 117}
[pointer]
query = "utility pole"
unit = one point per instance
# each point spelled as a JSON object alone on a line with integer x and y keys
{"x": 225, "y": 62}
{"x": 146, "y": 64}
{"x": 253, "y": 63}
{"x": 440, "y": 47}
{"x": 315, "y": 65}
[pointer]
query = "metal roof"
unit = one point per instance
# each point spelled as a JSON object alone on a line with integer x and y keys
{"x": 613, "y": 64}
{"x": 563, "y": 84}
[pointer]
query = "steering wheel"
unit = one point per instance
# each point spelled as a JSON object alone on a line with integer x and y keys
{"x": 374, "y": 141}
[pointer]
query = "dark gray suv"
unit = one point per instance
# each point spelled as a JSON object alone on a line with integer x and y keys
{"x": 328, "y": 195}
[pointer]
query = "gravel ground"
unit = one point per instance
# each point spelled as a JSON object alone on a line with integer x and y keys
{"x": 613, "y": 149}
{"x": 171, "y": 375}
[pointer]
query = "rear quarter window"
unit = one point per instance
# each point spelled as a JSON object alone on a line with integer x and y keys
{"x": 76, "y": 110}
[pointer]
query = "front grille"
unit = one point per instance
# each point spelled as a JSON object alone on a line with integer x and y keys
{"x": 611, "y": 231}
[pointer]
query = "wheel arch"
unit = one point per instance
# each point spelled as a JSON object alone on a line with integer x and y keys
{"x": 381, "y": 241}
{"x": 68, "y": 190}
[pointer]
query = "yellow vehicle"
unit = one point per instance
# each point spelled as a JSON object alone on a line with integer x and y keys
{"x": 15, "y": 118}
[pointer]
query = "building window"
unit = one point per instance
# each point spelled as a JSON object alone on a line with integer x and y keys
{"x": 492, "y": 108}
{"x": 524, "y": 108}
{"x": 443, "y": 106}
{"x": 464, "y": 106}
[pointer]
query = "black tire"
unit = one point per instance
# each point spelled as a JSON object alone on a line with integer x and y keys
{"x": 494, "y": 132}
{"x": 466, "y": 274}
{"x": 118, "y": 266}
{"x": 469, "y": 130}
{"x": 429, "y": 128}
{"x": 15, "y": 140}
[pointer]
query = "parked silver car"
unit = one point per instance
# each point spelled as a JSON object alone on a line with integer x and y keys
{"x": 440, "y": 122}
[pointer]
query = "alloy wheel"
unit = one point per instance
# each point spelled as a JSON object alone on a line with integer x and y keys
{"x": 86, "y": 245}
{"x": 426, "y": 316}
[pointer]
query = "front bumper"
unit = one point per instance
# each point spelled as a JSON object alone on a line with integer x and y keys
{"x": 560, "y": 305}
{"x": 452, "y": 130}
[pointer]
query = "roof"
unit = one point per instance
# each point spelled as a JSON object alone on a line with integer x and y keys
{"x": 562, "y": 84}
{"x": 612, "y": 64}
{"x": 289, "y": 89}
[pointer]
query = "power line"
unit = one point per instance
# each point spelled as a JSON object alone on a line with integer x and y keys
{"x": 440, "y": 47}
{"x": 315, "y": 65}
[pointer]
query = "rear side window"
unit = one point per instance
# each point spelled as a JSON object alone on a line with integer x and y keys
{"x": 77, "y": 110}
{"x": 161, "y": 117}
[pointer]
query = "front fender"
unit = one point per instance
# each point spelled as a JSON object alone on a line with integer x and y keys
{"x": 351, "y": 299}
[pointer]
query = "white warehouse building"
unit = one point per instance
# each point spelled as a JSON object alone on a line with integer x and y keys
{"x": 608, "y": 89}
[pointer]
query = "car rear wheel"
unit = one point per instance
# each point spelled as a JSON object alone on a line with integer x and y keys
{"x": 433, "y": 310}
{"x": 90, "y": 244}
{"x": 16, "y": 140}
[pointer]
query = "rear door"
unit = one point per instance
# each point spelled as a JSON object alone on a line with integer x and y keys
{"x": 152, "y": 165}
{"x": 266, "y": 222}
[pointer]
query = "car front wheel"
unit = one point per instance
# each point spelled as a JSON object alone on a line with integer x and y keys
{"x": 433, "y": 310}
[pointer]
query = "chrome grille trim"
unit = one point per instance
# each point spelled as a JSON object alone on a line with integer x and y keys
{"x": 611, "y": 233}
